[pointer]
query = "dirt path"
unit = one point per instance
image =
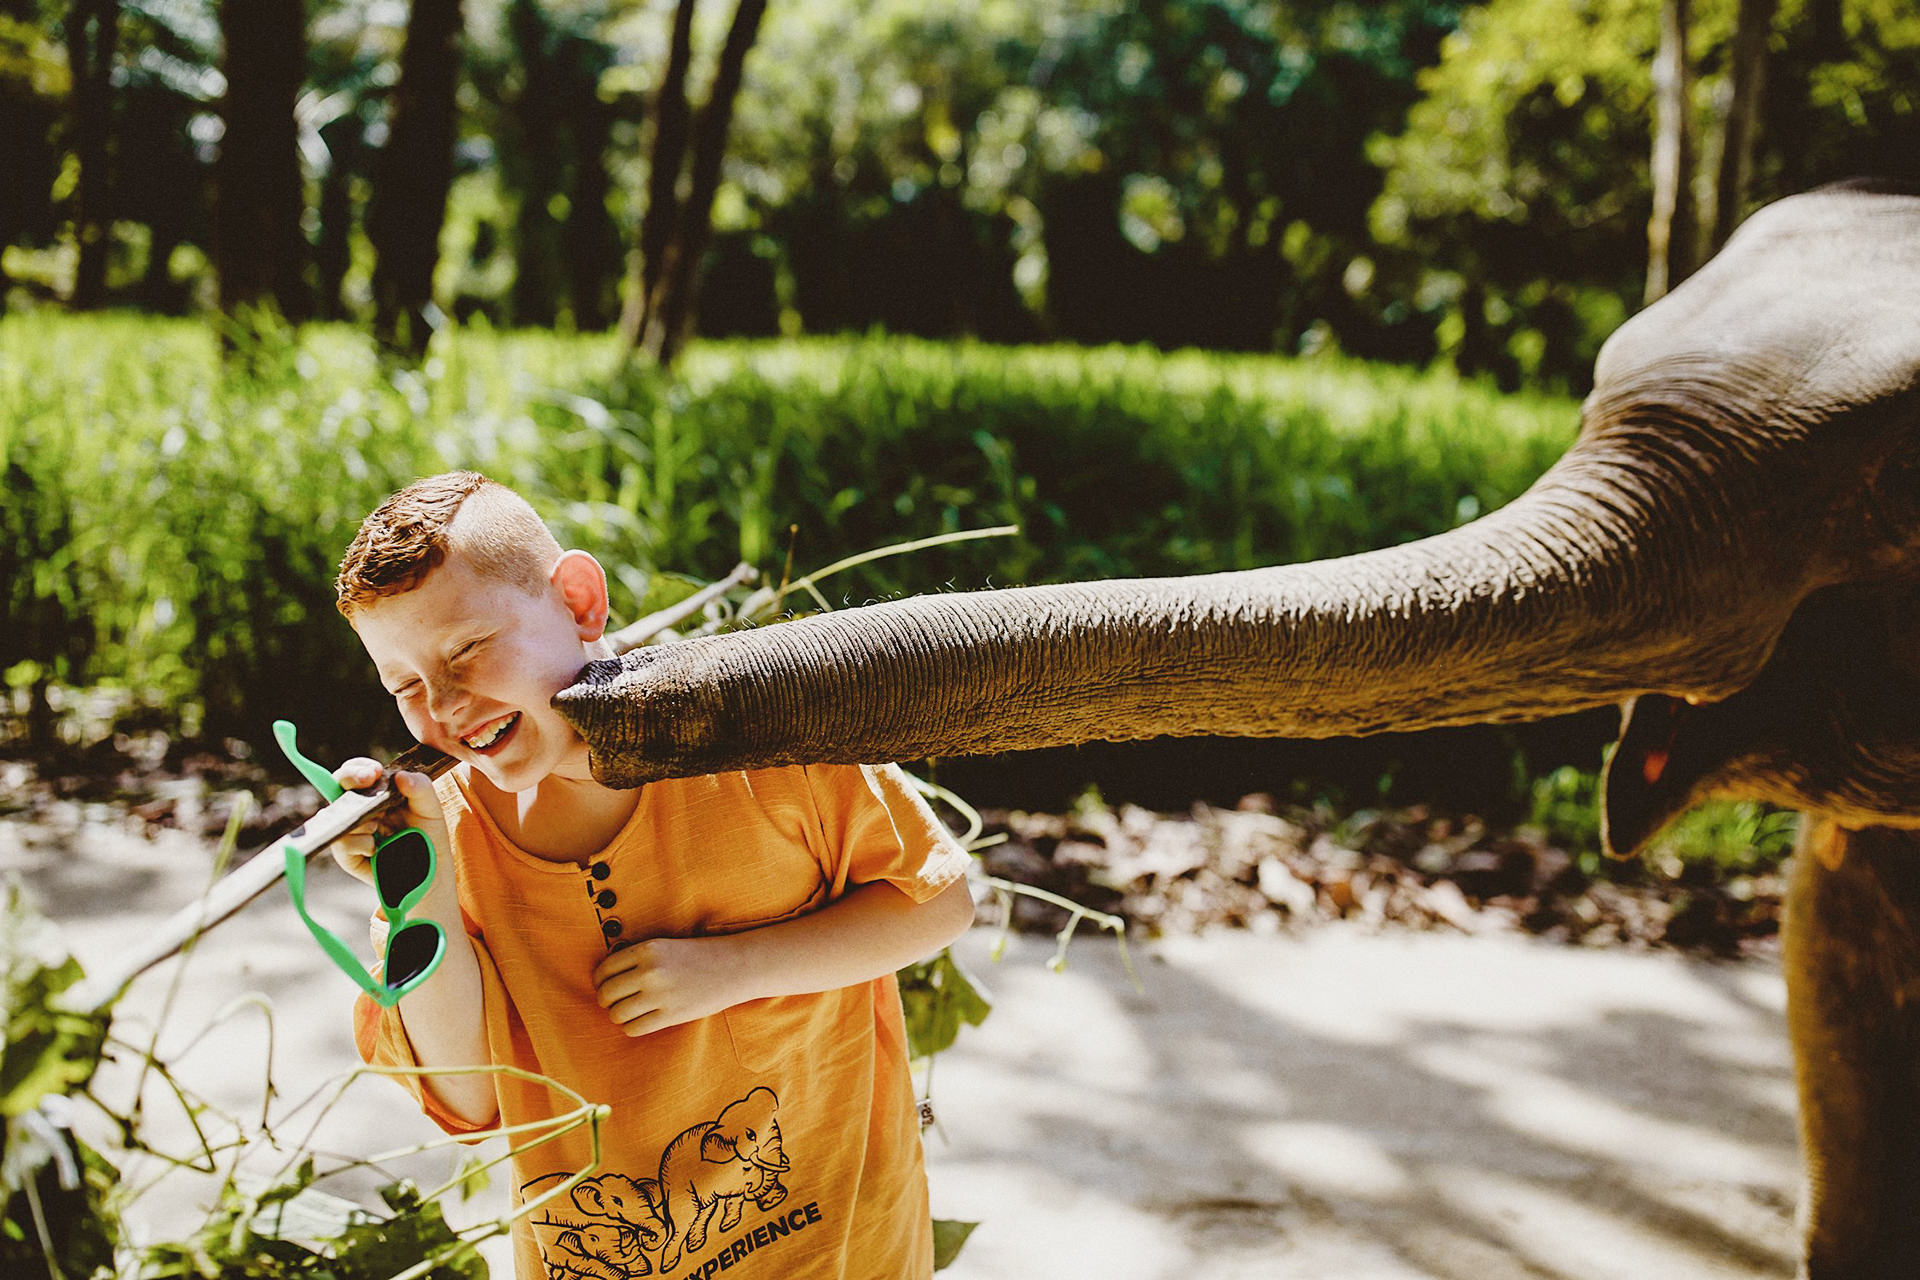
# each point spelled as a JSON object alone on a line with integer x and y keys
{"x": 1333, "y": 1103}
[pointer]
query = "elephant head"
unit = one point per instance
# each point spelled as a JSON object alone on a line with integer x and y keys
{"x": 748, "y": 1130}
{"x": 1731, "y": 547}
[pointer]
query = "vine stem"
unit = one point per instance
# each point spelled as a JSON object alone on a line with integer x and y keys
{"x": 1077, "y": 912}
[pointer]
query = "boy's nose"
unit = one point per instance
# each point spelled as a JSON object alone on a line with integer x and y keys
{"x": 444, "y": 702}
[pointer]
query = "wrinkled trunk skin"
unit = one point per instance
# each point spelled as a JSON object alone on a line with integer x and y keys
{"x": 1852, "y": 959}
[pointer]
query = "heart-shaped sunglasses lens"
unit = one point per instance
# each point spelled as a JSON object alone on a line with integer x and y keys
{"x": 412, "y": 952}
{"x": 400, "y": 866}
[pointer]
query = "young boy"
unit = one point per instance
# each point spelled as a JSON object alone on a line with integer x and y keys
{"x": 711, "y": 957}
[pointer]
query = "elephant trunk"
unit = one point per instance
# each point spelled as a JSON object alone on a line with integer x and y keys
{"x": 1540, "y": 608}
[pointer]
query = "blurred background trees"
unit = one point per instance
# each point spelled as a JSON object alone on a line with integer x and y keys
{"x": 1406, "y": 179}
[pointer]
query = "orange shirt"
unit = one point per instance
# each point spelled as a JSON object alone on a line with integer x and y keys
{"x": 777, "y": 1139}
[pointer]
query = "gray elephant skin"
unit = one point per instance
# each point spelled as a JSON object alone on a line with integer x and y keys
{"x": 1730, "y": 551}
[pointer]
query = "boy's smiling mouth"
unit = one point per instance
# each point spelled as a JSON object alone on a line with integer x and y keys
{"x": 490, "y": 735}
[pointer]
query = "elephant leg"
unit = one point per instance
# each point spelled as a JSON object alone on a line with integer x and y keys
{"x": 670, "y": 1251}
{"x": 730, "y": 1216}
{"x": 1850, "y": 962}
{"x": 697, "y": 1228}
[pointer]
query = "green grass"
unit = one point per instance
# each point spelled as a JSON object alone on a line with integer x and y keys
{"x": 1719, "y": 838}
{"x": 172, "y": 522}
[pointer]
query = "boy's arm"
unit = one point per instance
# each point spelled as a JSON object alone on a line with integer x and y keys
{"x": 444, "y": 1016}
{"x": 868, "y": 932}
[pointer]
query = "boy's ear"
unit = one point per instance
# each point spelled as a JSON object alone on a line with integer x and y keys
{"x": 583, "y": 585}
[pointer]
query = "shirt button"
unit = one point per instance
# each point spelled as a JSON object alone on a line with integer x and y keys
{"x": 604, "y": 899}
{"x": 600, "y": 870}
{"x": 610, "y": 927}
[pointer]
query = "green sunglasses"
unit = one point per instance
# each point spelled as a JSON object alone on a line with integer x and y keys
{"x": 404, "y": 865}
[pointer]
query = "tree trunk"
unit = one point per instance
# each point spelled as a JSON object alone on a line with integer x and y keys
{"x": 1828, "y": 36}
{"x": 672, "y": 122}
{"x": 592, "y": 243}
{"x": 671, "y": 317}
{"x": 1671, "y": 230}
{"x": 93, "y": 36}
{"x": 333, "y": 252}
{"x": 539, "y": 111}
{"x": 258, "y": 244}
{"x": 1749, "y": 55}
{"x": 414, "y": 172}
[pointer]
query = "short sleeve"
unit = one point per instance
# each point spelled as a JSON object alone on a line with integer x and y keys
{"x": 877, "y": 827}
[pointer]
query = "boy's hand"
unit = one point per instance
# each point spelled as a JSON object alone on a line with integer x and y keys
{"x": 650, "y": 986}
{"x": 354, "y": 850}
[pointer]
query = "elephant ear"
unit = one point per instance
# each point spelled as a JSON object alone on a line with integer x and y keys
{"x": 587, "y": 1195}
{"x": 718, "y": 1148}
{"x": 1667, "y": 756}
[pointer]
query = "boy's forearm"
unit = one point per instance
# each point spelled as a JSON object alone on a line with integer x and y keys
{"x": 445, "y": 1018}
{"x": 868, "y": 933}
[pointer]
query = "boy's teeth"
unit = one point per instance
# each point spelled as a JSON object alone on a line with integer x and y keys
{"x": 481, "y": 741}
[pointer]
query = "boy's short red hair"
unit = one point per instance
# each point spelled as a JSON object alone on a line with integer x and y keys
{"x": 409, "y": 535}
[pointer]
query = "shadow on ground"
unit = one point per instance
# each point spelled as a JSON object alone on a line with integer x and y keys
{"x": 1348, "y": 1105}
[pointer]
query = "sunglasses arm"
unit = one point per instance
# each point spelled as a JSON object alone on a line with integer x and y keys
{"x": 253, "y": 878}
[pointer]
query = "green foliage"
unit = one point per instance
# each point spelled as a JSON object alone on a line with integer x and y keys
{"x": 53, "y": 1187}
{"x": 1566, "y": 809}
{"x": 1533, "y": 114}
{"x": 1734, "y": 836}
{"x": 48, "y": 1050}
{"x": 1723, "y": 837}
{"x": 938, "y": 997}
{"x": 62, "y": 1200}
{"x": 57, "y": 1205}
{"x": 1115, "y": 462}
{"x": 1185, "y": 172}
{"x": 186, "y": 521}
{"x": 267, "y": 1234}
{"x": 1188, "y": 173}
{"x": 948, "y": 1238}
{"x": 418, "y": 1230}
{"x": 1529, "y": 148}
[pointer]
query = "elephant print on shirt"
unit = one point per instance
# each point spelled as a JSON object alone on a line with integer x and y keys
{"x": 612, "y": 1225}
{"x": 718, "y": 1165}
{"x": 617, "y": 1228}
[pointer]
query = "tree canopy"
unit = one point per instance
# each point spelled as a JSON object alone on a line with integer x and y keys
{"x": 1406, "y": 179}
